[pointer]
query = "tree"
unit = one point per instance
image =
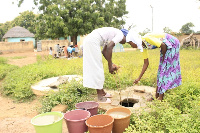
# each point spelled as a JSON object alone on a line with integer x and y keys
{"x": 27, "y": 20}
{"x": 167, "y": 30}
{"x": 62, "y": 18}
{"x": 186, "y": 28}
{"x": 4, "y": 27}
{"x": 145, "y": 32}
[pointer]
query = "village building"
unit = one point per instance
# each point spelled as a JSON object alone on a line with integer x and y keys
{"x": 19, "y": 34}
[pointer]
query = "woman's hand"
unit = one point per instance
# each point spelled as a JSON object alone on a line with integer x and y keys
{"x": 136, "y": 81}
{"x": 113, "y": 69}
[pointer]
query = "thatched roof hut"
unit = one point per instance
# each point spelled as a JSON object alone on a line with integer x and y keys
{"x": 17, "y": 32}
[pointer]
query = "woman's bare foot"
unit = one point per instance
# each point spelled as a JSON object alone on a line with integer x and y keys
{"x": 150, "y": 99}
{"x": 107, "y": 95}
{"x": 104, "y": 100}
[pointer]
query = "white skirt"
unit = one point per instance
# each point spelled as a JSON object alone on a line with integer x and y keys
{"x": 93, "y": 72}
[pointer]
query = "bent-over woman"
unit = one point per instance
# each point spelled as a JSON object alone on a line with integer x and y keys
{"x": 169, "y": 72}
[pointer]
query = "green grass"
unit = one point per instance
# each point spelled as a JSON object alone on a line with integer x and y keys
{"x": 5, "y": 68}
{"x": 166, "y": 116}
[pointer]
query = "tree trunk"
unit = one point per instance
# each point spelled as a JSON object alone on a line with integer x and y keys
{"x": 74, "y": 39}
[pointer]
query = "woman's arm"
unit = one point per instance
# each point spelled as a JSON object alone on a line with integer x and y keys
{"x": 107, "y": 53}
{"x": 163, "y": 50}
{"x": 144, "y": 68}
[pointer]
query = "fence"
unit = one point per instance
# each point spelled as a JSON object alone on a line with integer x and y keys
{"x": 14, "y": 47}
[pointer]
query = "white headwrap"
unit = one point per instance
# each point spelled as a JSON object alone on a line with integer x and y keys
{"x": 135, "y": 38}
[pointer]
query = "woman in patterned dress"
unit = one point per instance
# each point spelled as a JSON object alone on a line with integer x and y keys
{"x": 169, "y": 73}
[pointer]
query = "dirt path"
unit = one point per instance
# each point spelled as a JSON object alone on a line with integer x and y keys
{"x": 21, "y": 59}
{"x": 16, "y": 117}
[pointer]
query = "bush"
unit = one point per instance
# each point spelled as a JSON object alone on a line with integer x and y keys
{"x": 5, "y": 68}
{"x": 67, "y": 95}
{"x": 18, "y": 83}
{"x": 164, "y": 118}
{"x": 3, "y": 60}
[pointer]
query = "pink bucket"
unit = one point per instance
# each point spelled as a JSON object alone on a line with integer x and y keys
{"x": 75, "y": 120}
{"x": 90, "y": 106}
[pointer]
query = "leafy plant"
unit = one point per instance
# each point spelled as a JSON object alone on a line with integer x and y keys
{"x": 67, "y": 95}
{"x": 3, "y": 60}
{"x": 5, "y": 68}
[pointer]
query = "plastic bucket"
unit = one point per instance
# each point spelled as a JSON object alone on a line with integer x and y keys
{"x": 75, "y": 120}
{"x": 50, "y": 122}
{"x": 100, "y": 124}
{"x": 90, "y": 106}
{"x": 121, "y": 117}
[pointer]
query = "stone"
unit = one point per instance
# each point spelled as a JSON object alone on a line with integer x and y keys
{"x": 139, "y": 98}
{"x": 139, "y": 89}
{"x": 42, "y": 87}
{"x": 59, "y": 108}
{"x": 60, "y": 80}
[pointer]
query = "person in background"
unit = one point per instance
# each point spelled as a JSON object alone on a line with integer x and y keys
{"x": 81, "y": 48}
{"x": 65, "y": 51}
{"x": 169, "y": 72}
{"x": 93, "y": 72}
{"x": 70, "y": 50}
{"x": 50, "y": 51}
{"x": 57, "y": 50}
{"x": 76, "y": 50}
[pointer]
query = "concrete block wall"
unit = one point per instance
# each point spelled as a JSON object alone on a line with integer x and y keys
{"x": 14, "y": 47}
{"x": 46, "y": 44}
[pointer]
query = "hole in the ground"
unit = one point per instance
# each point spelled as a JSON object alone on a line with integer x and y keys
{"x": 129, "y": 102}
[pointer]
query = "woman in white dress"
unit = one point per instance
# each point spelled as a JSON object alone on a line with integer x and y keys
{"x": 93, "y": 72}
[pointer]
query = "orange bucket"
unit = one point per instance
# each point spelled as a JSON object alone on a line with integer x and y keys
{"x": 100, "y": 124}
{"x": 121, "y": 117}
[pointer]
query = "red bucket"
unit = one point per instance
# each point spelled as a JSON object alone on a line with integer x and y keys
{"x": 90, "y": 106}
{"x": 75, "y": 120}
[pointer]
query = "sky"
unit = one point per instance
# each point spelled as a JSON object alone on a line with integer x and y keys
{"x": 166, "y": 13}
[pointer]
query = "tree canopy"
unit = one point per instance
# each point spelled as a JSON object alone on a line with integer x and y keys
{"x": 26, "y": 19}
{"x": 186, "y": 28}
{"x": 167, "y": 30}
{"x": 62, "y": 18}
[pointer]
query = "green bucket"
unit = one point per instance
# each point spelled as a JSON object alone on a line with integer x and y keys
{"x": 50, "y": 122}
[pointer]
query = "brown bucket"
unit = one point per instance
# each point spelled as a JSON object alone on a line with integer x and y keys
{"x": 100, "y": 124}
{"x": 121, "y": 117}
{"x": 90, "y": 106}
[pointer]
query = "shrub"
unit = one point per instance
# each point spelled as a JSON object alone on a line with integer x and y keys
{"x": 67, "y": 95}
{"x": 5, "y": 68}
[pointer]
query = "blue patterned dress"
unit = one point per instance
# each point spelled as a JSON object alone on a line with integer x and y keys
{"x": 169, "y": 72}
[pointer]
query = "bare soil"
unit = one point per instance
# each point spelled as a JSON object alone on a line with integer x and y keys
{"x": 16, "y": 117}
{"x": 25, "y": 58}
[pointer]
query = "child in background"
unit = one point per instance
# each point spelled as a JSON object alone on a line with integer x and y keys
{"x": 76, "y": 50}
{"x": 50, "y": 51}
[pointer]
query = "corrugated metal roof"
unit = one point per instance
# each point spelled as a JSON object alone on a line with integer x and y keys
{"x": 18, "y": 31}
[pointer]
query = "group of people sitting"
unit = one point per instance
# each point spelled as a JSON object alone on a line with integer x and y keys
{"x": 64, "y": 51}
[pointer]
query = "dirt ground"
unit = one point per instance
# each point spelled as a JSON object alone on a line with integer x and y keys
{"x": 26, "y": 57}
{"x": 15, "y": 117}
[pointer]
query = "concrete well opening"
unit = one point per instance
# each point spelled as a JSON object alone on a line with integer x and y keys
{"x": 129, "y": 102}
